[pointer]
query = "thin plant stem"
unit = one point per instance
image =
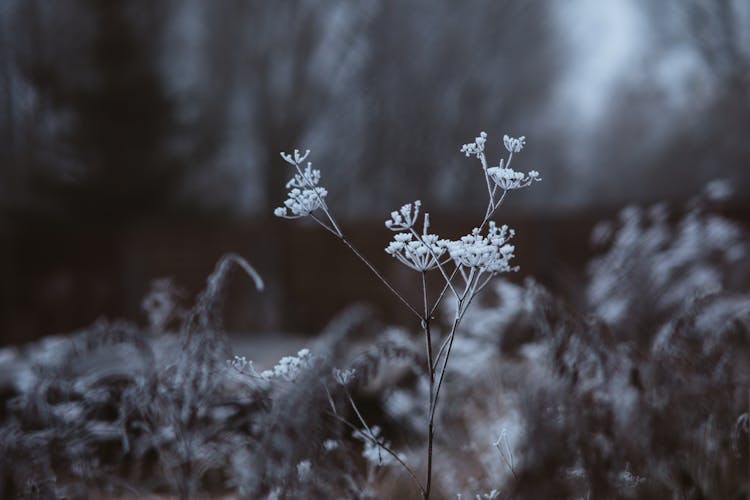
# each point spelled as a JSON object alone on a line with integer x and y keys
{"x": 442, "y": 293}
{"x": 437, "y": 262}
{"x": 431, "y": 374}
{"x": 387, "y": 449}
{"x": 374, "y": 270}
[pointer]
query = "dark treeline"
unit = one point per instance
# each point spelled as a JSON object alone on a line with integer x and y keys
{"x": 110, "y": 111}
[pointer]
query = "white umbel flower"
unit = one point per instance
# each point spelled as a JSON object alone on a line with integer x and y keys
{"x": 405, "y": 218}
{"x": 301, "y": 202}
{"x": 508, "y": 179}
{"x": 475, "y": 148}
{"x": 513, "y": 144}
{"x": 418, "y": 254}
{"x": 486, "y": 253}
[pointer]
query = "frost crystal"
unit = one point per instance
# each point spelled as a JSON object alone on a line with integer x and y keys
{"x": 489, "y": 253}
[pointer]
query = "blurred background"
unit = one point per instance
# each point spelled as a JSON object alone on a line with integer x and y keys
{"x": 139, "y": 140}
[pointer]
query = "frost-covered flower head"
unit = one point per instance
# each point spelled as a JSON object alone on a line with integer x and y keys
{"x": 405, "y": 218}
{"x": 514, "y": 145}
{"x": 305, "y": 196}
{"x": 475, "y": 148}
{"x": 296, "y": 159}
{"x": 489, "y": 252}
{"x": 307, "y": 179}
{"x": 343, "y": 377}
{"x": 289, "y": 367}
{"x": 420, "y": 253}
{"x": 507, "y": 178}
{"x": 301, "y": 202}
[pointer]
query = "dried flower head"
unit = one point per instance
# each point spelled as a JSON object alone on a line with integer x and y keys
{"x": 475, "y": 148}
{"x": 514, "y": 145}
{"x": 404, "y": 219}
{"x": 489, "y": 252}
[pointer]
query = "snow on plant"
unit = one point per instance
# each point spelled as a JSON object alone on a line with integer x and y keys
{"x": 288, "y": 368}
{"x": 466, "y": 266}
{"x": 674, "y": 263}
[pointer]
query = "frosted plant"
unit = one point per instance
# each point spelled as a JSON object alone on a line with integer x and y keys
{"x": 507, "y": 178}
{"x": 405, "y": 218}
{"x": 343, "y": 377}
{"x": 484, "y": 253}
{"x": 375, "y": 446}
{"x": 304, "y": 471}
{"x": 475, "y": 148}
{"x": 289, "y": 367}
{"x": 419, "y": 252}
{"x": 302, "y": 202}
{"x": 306, "y": 196}
{"x": 514, "y": 145}
{"x": 465, "y": 265}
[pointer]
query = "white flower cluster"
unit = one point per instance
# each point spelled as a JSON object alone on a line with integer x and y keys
{"x": 475, "y": 148}
{"x": 507, "y": 178}
{"x": 305, "y": 196}
{"x": 489, "y": 253}
{"x": 420, "y": 255}
{"x": 309, "y": 177}
{"x": 405, "y": 218}
{"x": 513, "y": 144}
{"x": 289, "y": 367}
{"x": 301, "y": 202}
{"x": 296, "y": 159}
{"x": 343, "y": 377}
{"x": 241, "y": 364}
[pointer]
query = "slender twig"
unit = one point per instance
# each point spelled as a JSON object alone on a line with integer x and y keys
{"x": 322, "y": 202}
{"x": 334, "y": 412}
{"x": 441, "y": 376}
{"x": 442, "y": 293}
{"x": 431, "y": 373}
{"x": 372, "y": 268}
{"x": 324, "y": 225}
{"x": 437, "y": 262}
